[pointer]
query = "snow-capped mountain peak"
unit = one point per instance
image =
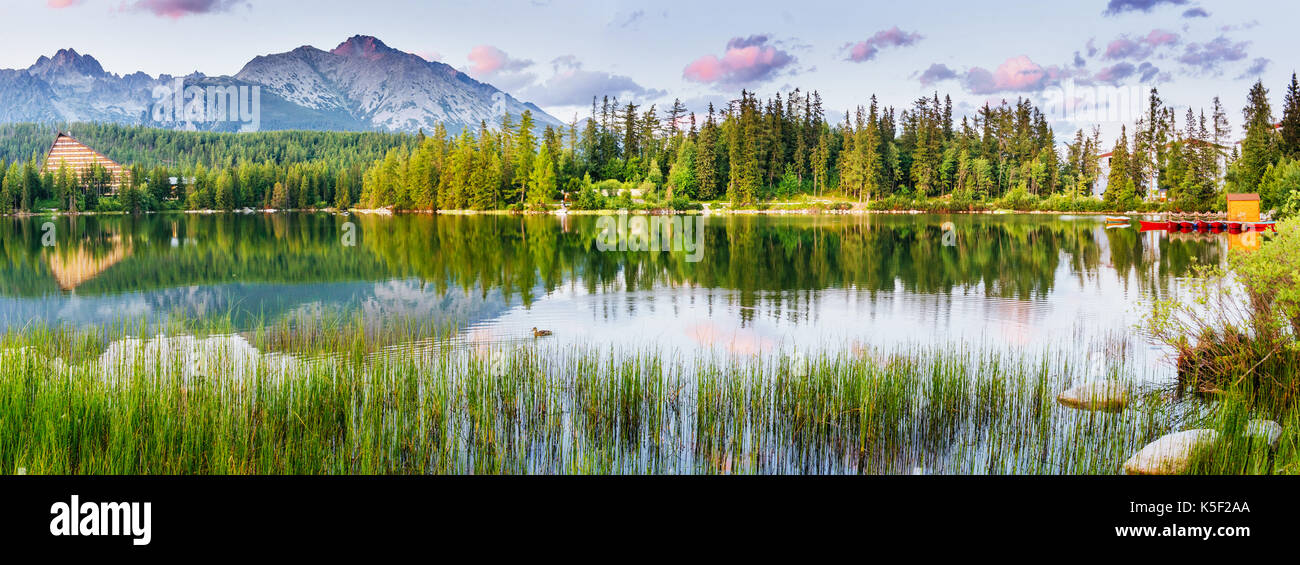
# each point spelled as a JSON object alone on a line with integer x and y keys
{"x": 362, "y": 84}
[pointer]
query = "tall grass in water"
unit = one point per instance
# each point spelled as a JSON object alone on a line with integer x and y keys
{"x": 1239, "y": 329}
{"x": 430, "y": 408}
{"x": 1236, "y": 333}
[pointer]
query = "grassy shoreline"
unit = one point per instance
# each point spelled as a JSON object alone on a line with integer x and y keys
{"x": 723, "y": 211}
{"x": 428, "y": 408}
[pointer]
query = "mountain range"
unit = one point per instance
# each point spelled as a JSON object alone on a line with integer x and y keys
{"x": 360, "y": 85}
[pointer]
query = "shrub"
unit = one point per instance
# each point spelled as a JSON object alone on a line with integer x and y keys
{"x": 589, "y": 199}
{"x": 681, "y": 202}
{"x": 1224, "y": 342}
{"x": 623, "y": 201}
{"x": 109, "y": 204}
{"x": 1067, "y": 203}
{"x": 891, "y": 202}
{"x": 1018, "y": 199}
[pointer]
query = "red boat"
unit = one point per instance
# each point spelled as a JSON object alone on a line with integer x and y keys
{"x": 1217, "y": 225}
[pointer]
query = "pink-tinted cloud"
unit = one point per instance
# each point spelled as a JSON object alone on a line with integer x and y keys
{"x": 496, "y": 67}
{"x": 1017, "y": 74}
{"x": 1126, "y": 47}
{"x": 59, "y": 4}
{"x": 486, "y": 60}
{"x": 176, "y": 9}
{"x": 1159, "y": 37}
{"x": 892, "y": 37}
{"x": 747, "y": 60}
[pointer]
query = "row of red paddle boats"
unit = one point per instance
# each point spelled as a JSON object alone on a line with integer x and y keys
{"x": 1215, "y": 226}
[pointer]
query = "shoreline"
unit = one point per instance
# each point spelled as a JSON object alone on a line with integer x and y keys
{"x": 564, "y": 212}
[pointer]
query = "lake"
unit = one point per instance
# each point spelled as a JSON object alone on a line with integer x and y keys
{"x": 761, "y": 283}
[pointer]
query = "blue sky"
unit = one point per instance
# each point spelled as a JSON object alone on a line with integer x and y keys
{"x": 558, "y": 54}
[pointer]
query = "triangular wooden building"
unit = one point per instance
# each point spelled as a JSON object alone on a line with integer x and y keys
{"x": 80, "y": 157}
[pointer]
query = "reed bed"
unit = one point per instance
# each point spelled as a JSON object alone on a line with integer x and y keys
{"x": 218, "y": 405}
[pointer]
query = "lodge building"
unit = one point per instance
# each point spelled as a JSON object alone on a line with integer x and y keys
{"x": 1153, "y": 190}
{"x": 79, "y": 157}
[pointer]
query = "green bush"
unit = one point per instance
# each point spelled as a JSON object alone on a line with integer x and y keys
{"x": 1271, "y": 275}
{"x": 589, "y": 199}
{"x": 891, "y": 202}
{"x": 1019, "y": 200}
{"x": 109, "y": 204}
{"x": 681, "y": 202}
{"x": 623, "y": 201}
{"x": 1066, "y": 203}
{"x": 1223, "y": 343}
{"x": 1281, "y": 184}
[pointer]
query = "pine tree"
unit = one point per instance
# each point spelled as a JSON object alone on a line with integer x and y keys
{"x": 706, "y": 167}
{"x": 342, "y": 193}
{"x": 1120, "y": 179}
{"x": 526, "y": 149}
{"x": 13, "y": 180}
{"x": 1290, "y": 134}
{"x": 225, "y": 194}
{"x": 821, "y": 163}
{"x": 746, "y": 170}
{"x": 850, "y": 164}
{"x": 869, "y": 147}
{"x": 1259, "y": 148}
{"x": 280, "y": 196}
{"x": 681, "y": 176}
{"x": 1218, "y": 138}
{"x": 541, "y": 183}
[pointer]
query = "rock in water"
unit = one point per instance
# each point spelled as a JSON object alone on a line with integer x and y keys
{"x": 1267, "y": 431}
{"x": 190, "y": 358}
{"x": 1095, "y": 395}
{"x": 1171, "y": 454}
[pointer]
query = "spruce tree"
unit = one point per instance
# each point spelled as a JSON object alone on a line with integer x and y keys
{"x": 1120, "y": 179}
{"x": 1290, "y": 134}
{"x": 526, "y": 149}
{"x": 1259, "y": 148}
{"x": 541, "y": 182}
{"x": 706, "y": 167}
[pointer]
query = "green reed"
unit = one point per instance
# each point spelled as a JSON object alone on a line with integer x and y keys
{"x": 357, "y": 406}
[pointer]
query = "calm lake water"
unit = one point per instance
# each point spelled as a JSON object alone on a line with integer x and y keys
{"x": 762, "y": 283}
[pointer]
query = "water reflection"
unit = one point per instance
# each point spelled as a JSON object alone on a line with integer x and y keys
{"x": 763, "y": 282}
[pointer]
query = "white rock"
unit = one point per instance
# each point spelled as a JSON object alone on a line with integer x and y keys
{"x": 1095, "y": 395}
{"x": 18, "y": 356}
{"x": 1266, "y": 430}
{"x": 57, "y": 365}
{"x": 219, "y": 356}
{"x": 1171, "y": 454}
